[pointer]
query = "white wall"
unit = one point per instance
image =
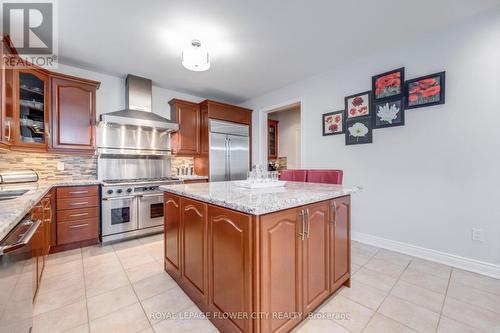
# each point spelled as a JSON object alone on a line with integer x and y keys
{"x": 111, "y": 94}
{"x": 429, "y": 182}
{"x": 288, "y": 136}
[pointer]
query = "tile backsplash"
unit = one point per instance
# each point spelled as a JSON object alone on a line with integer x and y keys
{"x": 75, "y": 166}
{"x": 45, "y": 164}
{"x": 180, "y": 162}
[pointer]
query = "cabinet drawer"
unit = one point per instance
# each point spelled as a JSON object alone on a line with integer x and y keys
{"x": 77, "y": 231}
{"x": 77, "y": 191}
{"x": 77, "y": 214}
{"x": 72, "y": 203}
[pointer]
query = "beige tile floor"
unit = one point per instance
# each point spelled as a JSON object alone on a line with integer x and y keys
{"x": 116, "y": 288}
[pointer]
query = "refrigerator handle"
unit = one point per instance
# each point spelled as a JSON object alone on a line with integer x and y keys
{"x": 229, "y": 157}
{"x": 226, "y": 158}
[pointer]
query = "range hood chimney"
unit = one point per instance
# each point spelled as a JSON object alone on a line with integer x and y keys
{"x": 138, "y": 111}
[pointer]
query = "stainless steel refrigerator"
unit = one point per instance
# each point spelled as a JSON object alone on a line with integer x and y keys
{"x": 229, "y": 151}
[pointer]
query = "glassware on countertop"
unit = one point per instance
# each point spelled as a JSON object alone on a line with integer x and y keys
{"x": 259, "y": 175}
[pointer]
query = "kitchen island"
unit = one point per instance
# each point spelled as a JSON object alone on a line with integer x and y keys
{"x": 258, "y": 260}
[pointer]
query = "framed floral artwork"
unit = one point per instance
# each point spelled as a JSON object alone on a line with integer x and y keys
{"x": 358, "y": 105}
{"x": 333, "y": 123}
{"x": 358, "y": 131}
{"x": 388, "y": 113}
{"x": 388, "y": 84}
{"x": 425, "y": 91}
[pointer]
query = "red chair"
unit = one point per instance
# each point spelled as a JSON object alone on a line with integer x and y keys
{"x": 286, "y": 175}
{"x": 294, "y": 175}
{"x": 325, "y": 176}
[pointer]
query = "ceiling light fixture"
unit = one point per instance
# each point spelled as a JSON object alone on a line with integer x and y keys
{"x": 195, "y": 57}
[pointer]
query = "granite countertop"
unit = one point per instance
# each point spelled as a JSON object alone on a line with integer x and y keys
{"x": 13, "y": 211}
{"x": 260, "y": 201}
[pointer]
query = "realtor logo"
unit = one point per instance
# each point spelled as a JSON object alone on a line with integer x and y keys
{"x": 31, "y": 28}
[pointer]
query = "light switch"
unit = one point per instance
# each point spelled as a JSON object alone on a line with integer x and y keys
{"x": 60, "y": 166}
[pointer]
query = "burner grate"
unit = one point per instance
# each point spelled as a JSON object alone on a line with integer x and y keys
{"x": 139, "y": 180}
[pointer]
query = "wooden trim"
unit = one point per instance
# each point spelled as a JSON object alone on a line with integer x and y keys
{"x": 72, "y": 246}
{"x": 212, "y": 102}
{"x": 58, "y": 75}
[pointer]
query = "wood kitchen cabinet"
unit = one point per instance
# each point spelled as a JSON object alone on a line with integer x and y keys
{"x": 73, "y": 114}
{"x": 288, "y": 262}
{"x": 205, "y": 147}
{"x": 315, "y": 256}
{"x": 186, "y": 141}
{"x": 340, "y": 249}
{"x": 299, "y": 281}
{"x": 230, "y": 266}
{"x": 30, "y": 124}
{"x": 77, "y": 215}
{"x": 221, "y": 111}
{"x": 41, "y": 110}
{"x": 6, "y": 96}
{"x": 194, "y": 257}
{"x": 281, "y": 261}
{"x": 272, "y": 139}
{"x": 172, "y": 233}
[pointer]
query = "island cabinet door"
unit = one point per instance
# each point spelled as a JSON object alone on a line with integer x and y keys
{"x": 194, "y": 245}
{"x": 172, "y": 224}
{"x": 340, "y": 249}
{"x": 230, "y": 268}
{"x": 280, "y": 272}
{"x": 315, "y": 255}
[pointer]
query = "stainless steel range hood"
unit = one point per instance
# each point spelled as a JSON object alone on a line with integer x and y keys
{"x": 135, "y": 130}
{"x": 138, "y": 108}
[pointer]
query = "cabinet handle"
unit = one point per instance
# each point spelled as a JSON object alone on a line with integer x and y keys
{"x": 81, "y": 214}
{"x": 308, "y": 222}
{"x": 7, "y": 137}
{"x": 79, "y": 192}
{"x": 302, "y": 221}
{"x": 334, "y": 217}
{"x": 172, "y": 201}
{"x": 78, "y": 203}
{"x": 79, "y": 226}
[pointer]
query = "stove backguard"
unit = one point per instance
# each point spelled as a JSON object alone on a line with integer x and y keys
{"x": 112, "y": 167}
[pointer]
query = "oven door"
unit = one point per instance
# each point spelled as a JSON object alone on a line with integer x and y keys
{"x": 150, "y": 210}
{"x": 119, "y": 215}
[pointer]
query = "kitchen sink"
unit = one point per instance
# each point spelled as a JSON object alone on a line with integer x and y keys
{"x": 11, "y": 194}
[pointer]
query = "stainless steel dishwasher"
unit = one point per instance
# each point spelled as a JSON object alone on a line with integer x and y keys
{"x": 18, "y": 277}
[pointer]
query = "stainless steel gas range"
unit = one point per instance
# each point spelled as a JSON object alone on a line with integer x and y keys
{"x": 133, "y": 161}
{"x": 132, "y": 208}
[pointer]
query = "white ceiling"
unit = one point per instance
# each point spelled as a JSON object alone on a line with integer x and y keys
{"x": 255, "y": 45}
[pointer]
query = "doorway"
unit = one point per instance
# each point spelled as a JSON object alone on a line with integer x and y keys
{"x": 284, "y": 137}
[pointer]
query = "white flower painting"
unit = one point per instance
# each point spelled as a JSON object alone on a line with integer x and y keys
{"x": 359, "y": 131}
{"x": 389, "y": 113}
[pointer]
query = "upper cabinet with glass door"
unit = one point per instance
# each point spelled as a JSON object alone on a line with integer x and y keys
{"x": 31, "y": 109}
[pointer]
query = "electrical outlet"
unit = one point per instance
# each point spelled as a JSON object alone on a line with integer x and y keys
{"x": 60, "y": 166}
{"x": 477, "y": 235}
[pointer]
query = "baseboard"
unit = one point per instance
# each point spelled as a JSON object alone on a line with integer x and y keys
{"x": 467, "y": 264}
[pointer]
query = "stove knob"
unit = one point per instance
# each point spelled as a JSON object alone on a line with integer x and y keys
{"x": 129, "y": 190}
{"x": 119, "y": 191}
{"x": 152, "y": 188}
{"x": 110, "y": 192}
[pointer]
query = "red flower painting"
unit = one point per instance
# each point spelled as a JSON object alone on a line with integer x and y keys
{"x": 333, "y": 123}
{"x": 428, "y": 90}
{"x": 358, "y": 105}
{"x": 387, "y": 85}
